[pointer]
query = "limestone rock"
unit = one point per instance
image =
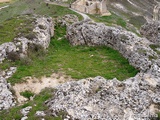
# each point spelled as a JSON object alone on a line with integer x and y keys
{"x": 40, "y": 113}
{"x": 6, "y": 97}
{"x": 26, "y": 110}
{"x": 67, "y": 20}
{"x": 98, "y": 98}
{"x": 151, "y": 31}
{"x": 40, "y": 37}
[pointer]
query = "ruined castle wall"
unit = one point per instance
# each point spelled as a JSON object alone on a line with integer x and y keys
{"x": 77, "y": 6}
{"x": 92, "y": 9}
{"x": 103, "y": 7}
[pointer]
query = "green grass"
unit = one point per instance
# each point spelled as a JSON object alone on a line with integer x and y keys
{"x": 37, "y": 105}
{"x": 10, "y": 28}
{"x": 113, "y": 19}
{"x": 21, "y": 7}
{"x": 78, "y": 62}
{"x": 27, "y": 94}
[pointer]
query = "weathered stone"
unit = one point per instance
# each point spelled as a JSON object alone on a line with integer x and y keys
{"x": 40, "y": 37}
{"x": 151, "y": 31}
{"x": 67, "y": 20}
{"x": 135, "y": 98}
{"x": 24, "y": 118}
{"x": 26, "y": 110}
{"x": 40, "y": 113}
{"x": 6, "y": 98}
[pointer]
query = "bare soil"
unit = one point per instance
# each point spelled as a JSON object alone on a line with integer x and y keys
{"x": 35, "y": 85}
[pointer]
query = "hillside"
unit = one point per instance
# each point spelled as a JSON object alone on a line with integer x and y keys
{"x": 134, "y": 11}
{"x": 60, "y": 64}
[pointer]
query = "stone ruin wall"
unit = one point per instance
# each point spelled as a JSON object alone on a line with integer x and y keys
{"x": 94, "y": 8}
{"x": 136, "y": 98}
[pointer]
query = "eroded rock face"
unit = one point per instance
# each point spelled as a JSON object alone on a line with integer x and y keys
{"x": 6, "y": 97}
{"x": 98, "y": 98}
{"x": 151, "y": 31}
{"x": 40, "y": 36}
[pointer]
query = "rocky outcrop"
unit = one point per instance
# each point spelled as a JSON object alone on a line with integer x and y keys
{"x": 101, "y": 99}
{"x": 67, "y": 20}
{"x": 43, "y": 30}
{"x": 151, "y": 31}
{"x": 137, "y": 50}
{"x": 6, "y": 97}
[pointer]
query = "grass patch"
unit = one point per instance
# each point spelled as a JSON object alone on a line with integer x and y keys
{"x": 155, "y": 48}
{"x": 137, "y": 21}
{"x": 78, "y": 62}
{"x": 109, "y": 20}
{"x": 27, "y": 94}
{"x": 37, "y": 105}
{"x": 14, "y": 26}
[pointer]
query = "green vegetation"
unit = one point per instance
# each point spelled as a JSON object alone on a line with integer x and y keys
{"x": 15, "y": 26}
{"x": 137, "y": 21}
{"x": 37, "y": 105}
{"x": 23, "y": 7}
{"x": 27, "y": 94}
{"x": 78, "y": 62}
{"x": 154, "y": 47}
{"x": 109, "y": 20}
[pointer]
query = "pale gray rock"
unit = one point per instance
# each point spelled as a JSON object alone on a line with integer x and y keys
{"x": 7, "y": 99}
{"x": 26, "y": 110}
{"x": 151, "y": 31}
{"x": 67, "y": 20}
{"x": 40, "y": 113}
{"x": 98, "y": 98}
{"x": 24, "y": 118}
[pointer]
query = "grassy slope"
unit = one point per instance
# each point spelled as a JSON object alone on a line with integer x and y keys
{"x": 79, "y": 62}
{"x": 21, "y": 7}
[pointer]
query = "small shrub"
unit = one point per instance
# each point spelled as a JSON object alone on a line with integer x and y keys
{"x": 13, "y": 56}
{"x": 27, "y": 94}
{"x": 30, "y": 36}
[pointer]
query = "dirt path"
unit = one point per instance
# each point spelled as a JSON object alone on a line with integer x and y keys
{"x": 35, "y": 85}
{"x": 85, "y": 17}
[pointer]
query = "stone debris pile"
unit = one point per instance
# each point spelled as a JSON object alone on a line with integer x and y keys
{"x": 6, "y": 97}
{"x": 151, "y": 31}
{"x": 98, "y": 98}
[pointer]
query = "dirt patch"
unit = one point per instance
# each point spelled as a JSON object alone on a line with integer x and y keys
{"x": 35, "y": 85}
{"x": 4, "y": 1}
